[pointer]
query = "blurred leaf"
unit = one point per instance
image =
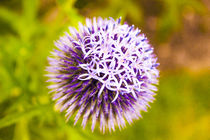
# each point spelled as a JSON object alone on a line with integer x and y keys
{"x": 171, "y": 19}
{"x": 21, "y": 130}
{"x": 197, "y": 5}
{"x": 68, "y": 7}
{"x": 30, "y": 8}
{"x": 13, "y": 118}
{"x": 10, "y": 17}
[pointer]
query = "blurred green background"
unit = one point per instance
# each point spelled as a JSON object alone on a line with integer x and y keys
{"x": 178, "y": 29}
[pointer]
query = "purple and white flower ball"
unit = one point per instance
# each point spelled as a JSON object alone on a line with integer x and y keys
{"x": 103, "y": 74}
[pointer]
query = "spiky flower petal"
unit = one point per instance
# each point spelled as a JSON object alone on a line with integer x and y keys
{"x": 105, "y": 74}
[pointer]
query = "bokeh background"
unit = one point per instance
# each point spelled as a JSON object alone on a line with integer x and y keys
{"x": 179, "y": 30}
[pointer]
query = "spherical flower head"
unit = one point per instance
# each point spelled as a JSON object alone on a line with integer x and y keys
{"x": 103, "y": 74}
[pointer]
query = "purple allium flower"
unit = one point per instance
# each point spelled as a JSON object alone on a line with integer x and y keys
{"x": 104, "y": 74}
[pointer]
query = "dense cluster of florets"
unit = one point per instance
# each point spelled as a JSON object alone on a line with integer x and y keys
{"x": 105, "y": 73}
